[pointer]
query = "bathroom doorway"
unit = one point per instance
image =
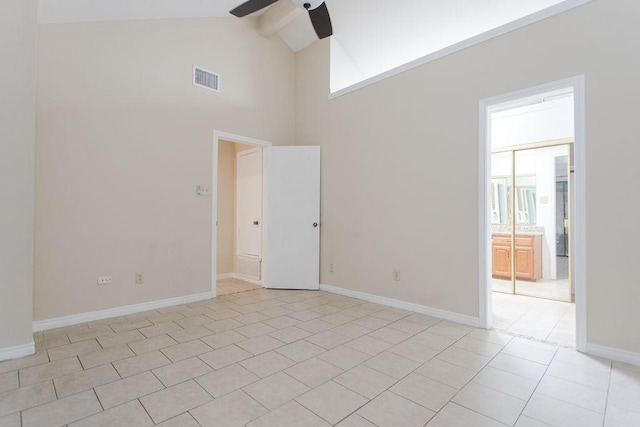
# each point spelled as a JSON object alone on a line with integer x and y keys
{"x": 529, "y": 220}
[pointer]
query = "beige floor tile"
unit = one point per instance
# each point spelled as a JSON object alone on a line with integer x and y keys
{"x": 331, "y": 401}
{"x": 290, "y": 415}
{"x": 490, "y": 336}
{"x": 267, "y": 364}
{"x": 489, "y": 402}
{"x": 315, "y": 326}
{"x": 261, "y": 344}
{"x": 182, "y": 420}
{"x": 178, "y": 372}
{"x": 478, "y": 346}
{"x": 150, "y": 344}
{"x": 185, "y": 350}
{"x": 122, "y": 391}
{"x": 518, "y": 366}
{"x": 127, "y": 415}
{"x": 408, "y": 326}
{"x": 328, "y": 339}
{"x": 12, "y": 420}
{"x": 506, "y": 382}
{"x": 120, "y": 338}
{"x": 390, "y": 335}
{"x": 250, "y": 318}
{"x": 624, "y": 397}
{"x": 369, "y": 345}
{"x": 392, "y": 364}
{"x": 88, "y": 333}
{"x": 300, "y": 350}
{"x": 578, "y": 374}
{"x": 62, "y": 411}
{"x": 281, "y": 322}
{"x": 314, "y": 372}
{"x": 49, "y": 371}
{"x": 576, "y": 394}
{"x": 290, "y": 334}
{"x": 85, "y": 380}
{"x": 223, "y": 339}
{"x": 344, "y": 357}
{"x": 218, "y": 326}
{"x": 351, "y": 330}
{"x": 337, "y": 319}
{"x": 44, "y": 343}
{"x": 8, "y": 381}
{"x": 433, "y": 341}
{"x": 226, "y": 356}
{"x": 74, "y": 349}
{"x": 464, "y": 358}
{"x": 560, "y": 414}
{"x": 190, "y": 322}
{"x": 426, "y": 392}
{"x": 255, "y": 330}
{"x": 529, "y": 352}
{"x": 108, "y": 355}
{"x": 525, "y": 421}
{"x": 24, "y": 362}
{"x": 159, "y": 329}
{"x": 391, "y": 410}
{"x": 236, "y": 409}
{"x": 355, "y": 420}
{"x": 226, "y": 380}
{"x": 276, "y": 390}
{"x": 625, "y": 377}
{"x": 456, "y": 415}
{"x": 190, "y": 334}
{"x": 617, "y": 417}
{"x": 129, "y": 325}
{"x": 137, "y": 364}
{"x": 304, "y": 315}
{"x": 26, "y": 397}
{"x": 372, "y": 322}
{"x": 415, "y": 351}
{"x": 446, "y": 373}
{"x": 391, "y": 314}
{"x": 365, "y": 381}
{"x": 165, "y": 404}
{"x": 274, "y": 312}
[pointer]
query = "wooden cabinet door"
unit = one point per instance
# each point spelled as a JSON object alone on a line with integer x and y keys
{"x": 524, "y": 263}
{"x": 501, "y": 261}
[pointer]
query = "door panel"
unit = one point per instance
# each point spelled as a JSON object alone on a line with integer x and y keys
{"x": 249, "y": 202}
{"x": 292, "y": 242}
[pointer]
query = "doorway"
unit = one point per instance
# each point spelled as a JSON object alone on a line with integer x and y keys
{"x": 532, "y": 225}
{"x": 239, "y": 213}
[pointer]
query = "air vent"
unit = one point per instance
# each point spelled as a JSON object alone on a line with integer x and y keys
{"x": 206, "y": 79}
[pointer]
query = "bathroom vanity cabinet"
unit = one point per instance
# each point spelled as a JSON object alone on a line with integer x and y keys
{"x": 528, "y": 253}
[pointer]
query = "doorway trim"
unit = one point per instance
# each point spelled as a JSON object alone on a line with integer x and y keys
{"x": 225, "y": 136}
{"x": 579, "y": 212}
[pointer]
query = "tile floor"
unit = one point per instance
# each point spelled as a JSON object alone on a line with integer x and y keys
{"x": 305, "y": 358}
{"x": 232, "y": 286}
{"x": 544, "y": 320}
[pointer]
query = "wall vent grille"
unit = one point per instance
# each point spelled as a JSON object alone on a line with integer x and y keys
{"x": 249, "y": 267}
{"x": 206, "y": 79}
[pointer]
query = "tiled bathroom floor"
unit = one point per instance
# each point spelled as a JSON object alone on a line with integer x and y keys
{"x": 232, "y": 286}
{"x": 305, "y": 358}
{"x": 553, "y": 322}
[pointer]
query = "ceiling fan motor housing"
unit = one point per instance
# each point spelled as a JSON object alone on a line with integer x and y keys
{"x": 308, "y": 4}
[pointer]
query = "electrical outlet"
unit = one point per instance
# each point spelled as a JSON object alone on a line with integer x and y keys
{"x": 330, "y": 268}
{"x": 202, "y": 190}
{"x": 396, "y": 275}
{"x": 139, "y": 278}
{"x": 105, "y": 280}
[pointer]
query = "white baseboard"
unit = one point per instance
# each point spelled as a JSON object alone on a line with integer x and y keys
{"x": 617, "y": 354}
{"x": 43, "y": 325}
{"x": 422, "y": 309}
{"x": 17, "y": 351}
{"x": 225, "y": 276}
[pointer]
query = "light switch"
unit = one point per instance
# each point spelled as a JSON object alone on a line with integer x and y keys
{"x": 544, "y": 200}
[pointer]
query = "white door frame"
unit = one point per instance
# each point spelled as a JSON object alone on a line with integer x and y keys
{"x": 217, "y": 136}
{"x": 579, "y": 227}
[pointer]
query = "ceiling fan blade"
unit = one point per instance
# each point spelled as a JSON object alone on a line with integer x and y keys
{"x": 251, "y": 6}
{"x": 321, "y": 21}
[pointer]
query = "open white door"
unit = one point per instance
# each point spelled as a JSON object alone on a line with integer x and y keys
{"x": 292, "y": 243}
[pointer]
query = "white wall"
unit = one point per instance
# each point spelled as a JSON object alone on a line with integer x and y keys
{"x": 17, "y": 144}
{"x": 124, "y": 138}
{"x": 400, "y": 163}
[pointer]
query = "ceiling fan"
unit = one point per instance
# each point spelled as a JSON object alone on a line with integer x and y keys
{"x": 318, "y": 13}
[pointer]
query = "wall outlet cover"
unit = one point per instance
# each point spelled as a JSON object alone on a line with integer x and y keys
{"x": 139, "y": 278}
{"x": 105, "y": 280}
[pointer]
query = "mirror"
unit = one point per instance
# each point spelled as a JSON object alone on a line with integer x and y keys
{"x": 525, "y": 209}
